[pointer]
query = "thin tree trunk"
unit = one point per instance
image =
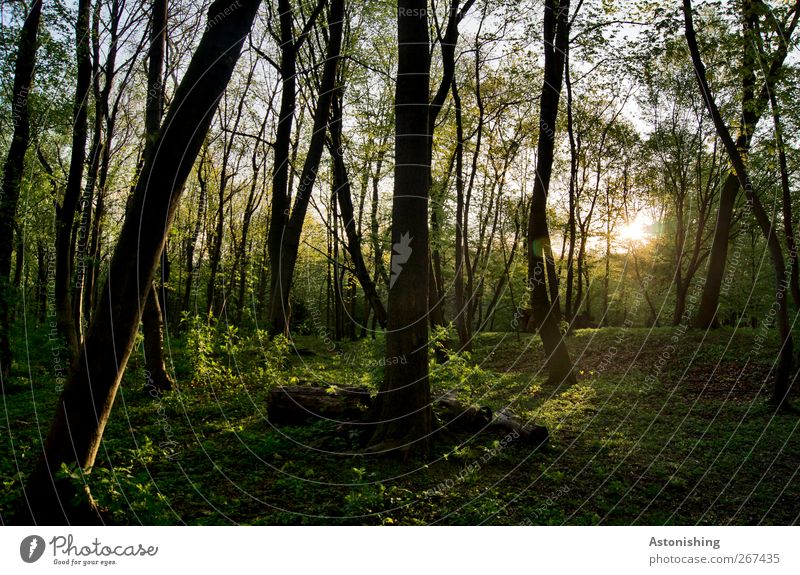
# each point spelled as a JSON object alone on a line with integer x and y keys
{"x": 13, "y": 169}
{"x": 344, "y": 197}
{"x": 63, "y": 279}
{"x": 158, "y": 379}
{"x": 283, "y": 267}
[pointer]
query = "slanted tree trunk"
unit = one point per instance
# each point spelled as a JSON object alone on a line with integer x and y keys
{"x": 753, "y": 106}
{"x": 85, "y": 404}
{"x": 345, "y": 200}
{"x": 559, "y": 363}
{"x": 403, "y": 410}
{"x": 279, "y": 215}
{"x": 283, "y": 266}
{"x": 13, "y": 168}
{"x": 782, "y": 376}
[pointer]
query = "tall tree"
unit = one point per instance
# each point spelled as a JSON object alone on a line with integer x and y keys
{"x": 13, "y": 169}
{"x": 279, "y": 217}
{"x": 556, "y": 36}
{"x": 85, "y": 404}
{"x": 66, "y": 212}
{"x": 290, "y": 233}
{"x": 403, "y": 409}
{"x": 783, "y": 373}
{"x": 753, "y": 105}
{"x": 152, "y": 315}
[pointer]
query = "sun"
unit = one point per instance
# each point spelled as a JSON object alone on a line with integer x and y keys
{"x": 636, "y": 230}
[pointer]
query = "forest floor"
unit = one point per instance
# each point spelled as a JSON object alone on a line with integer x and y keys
{"x": 664, "y": 426}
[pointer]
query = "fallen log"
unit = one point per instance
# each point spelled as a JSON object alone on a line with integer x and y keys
{"x": 458, "y": 417}
{"x": 301, "y": 404}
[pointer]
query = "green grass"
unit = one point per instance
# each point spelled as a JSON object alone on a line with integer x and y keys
{"x": 685, "y": 439}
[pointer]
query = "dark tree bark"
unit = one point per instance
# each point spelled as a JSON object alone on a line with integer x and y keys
{"x": 448, "y": 41}
{"x": 403, "y": 411}
{"x": 158, "y": 379}
{"x": 85, "y": 404}
{"x": 72, "y": 192}
{"x": 556, "y": 36}
{"x": 289, "y": 244}
{"x": 573, "y": 183}
{"x": 345, "y": 200}
{"x": 783, "y": 373}
{"x": 12, "y": 171}
{"x": 279, "y": 216}
{"x": 753, "y": 106}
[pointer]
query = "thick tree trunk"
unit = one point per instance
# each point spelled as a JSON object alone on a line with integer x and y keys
{"x": 403, "y": 412}
{"x": 85, "y": 404}
{"x": 12, "y": 171}
{"x": 556, "y": 35}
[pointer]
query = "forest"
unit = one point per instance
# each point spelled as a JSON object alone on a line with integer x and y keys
{"x": 454, "y": 262}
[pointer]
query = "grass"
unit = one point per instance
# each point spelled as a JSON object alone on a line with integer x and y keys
{"x": 662, "y": 427}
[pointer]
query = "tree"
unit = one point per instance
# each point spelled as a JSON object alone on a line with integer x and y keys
{"x": 556, "y": 32}
{"x": 13, "y": 169}
{"x": 279, "y": 217}
{"x": 283, "y": 267}
{"x": 85, "y": 404}
{"x": 152, "y": 315}
{"x": 403, "y": 412}
{"x": 69, "y": 205}
{"x": 783, "y": 372}
{"x": 753, "y": 105}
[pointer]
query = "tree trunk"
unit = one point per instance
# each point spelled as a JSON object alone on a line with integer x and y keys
{"x": 463, "y": 326}
{"x": 63, "y": 279}
{"x": 556, "y": 36}
{"x": 403, "y": 412}
{"x": 289, "y": 244}
{"x": 85, "y": 404}
{"x": 152, "y": 316}
{"x": 752, "y": 108}
{"x": 782, "y": 376}
{"x": 13, "y": 169}
{"x": 345, "y": 201}
{"x": 279, "y": 216}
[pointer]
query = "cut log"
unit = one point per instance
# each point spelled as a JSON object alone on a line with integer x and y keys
{"x": 301, "y": 404}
